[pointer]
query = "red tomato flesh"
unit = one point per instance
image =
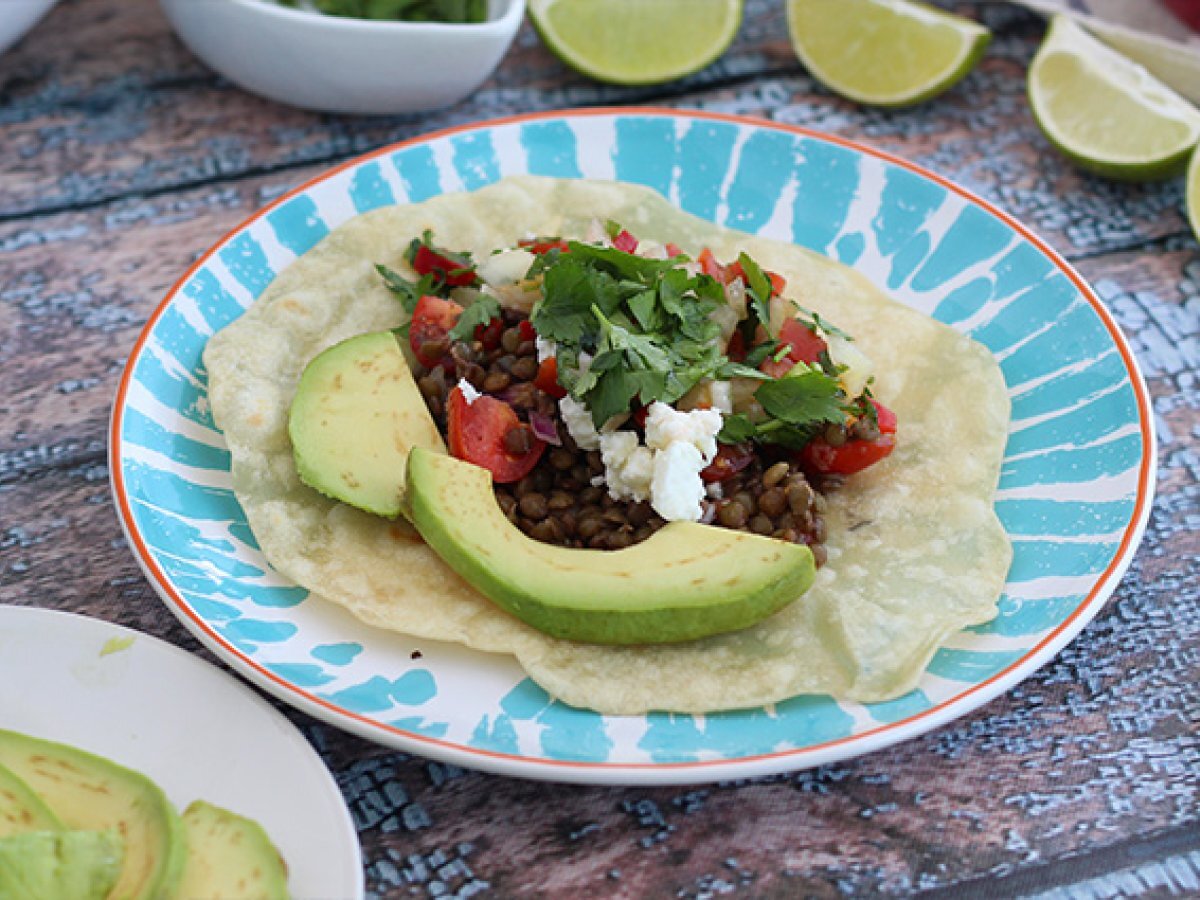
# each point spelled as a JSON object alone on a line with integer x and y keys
{"x": 539, "y": 247}
{"x": 803, "y": 346}
{"x": 476, "y": 433}
{"x": 428, "y": 333}
{"x": 778, "y": 282}
{"x": 489, "y": 334}
{"x": 854, "y": 455}
{"x": 730, "y": 459}
{"x": 547, "y": 379}
{"x": 450, "y": 269}
{"x": 625, "y": 242}
{"x": 710, "y": 266}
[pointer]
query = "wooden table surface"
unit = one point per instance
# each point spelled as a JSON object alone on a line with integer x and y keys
{"x": 122, "y": 158}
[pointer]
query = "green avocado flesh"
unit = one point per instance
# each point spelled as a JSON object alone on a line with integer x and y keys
{"x": 57, "y": 865}
{"x": 686, "y": 581}
{"x": 229, "y": 856}
{"x": 91, "y": 793}
{"x": 21, "y": 809}
{"x": 356, "y": 414}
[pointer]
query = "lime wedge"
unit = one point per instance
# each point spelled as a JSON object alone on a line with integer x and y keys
{"x": 1104, "y": 111}
{"x": 884, "y": 52}
{"x": 636, "y": 41}
{"x": 1193, "y": 194}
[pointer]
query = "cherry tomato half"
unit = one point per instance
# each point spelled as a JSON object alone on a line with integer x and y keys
{"x": 625, "y": 242}
{"x": 489, "y": 334}
{"x": 854, "y": 455}
{"x": 735, "y": 270}
{"x": 538, "y": 247}
{"x": 547, "y": 379}
{"x": 730, "y": 459}
{"x": 710, "y": 266}
{"x": 449, "y": 268}
{"x": 803, "y": 346}
{"x": 428, "y": 334}
{"x": 477, "y": 433}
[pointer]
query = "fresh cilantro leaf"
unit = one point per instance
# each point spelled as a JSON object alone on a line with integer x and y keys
{"x": 570, "y": 289}
{"x": 612, "y": 395}
{"x": 407, "y": 292}
{"x": 621, "y": 265}
{"x": 729, "y": 370}
{"x": 813, "y": 321}
{"x": 758, "y": 291}
{"x": 644, "y": 307}
{"x": 483, "y": 310}
{"x": 736, "y": 429}
{"x": 805, "y": 398}
{"x": 756, "y": 355}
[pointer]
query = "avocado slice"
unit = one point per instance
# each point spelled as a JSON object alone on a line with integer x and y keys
{"x": 21, "y": 809}
{"x": 54, "y": 865}
{"x": 356, "y": 414}
{"x": 90, "y": 792}
{"x": 686, "y": 581}
{"x": 229, "y": 856}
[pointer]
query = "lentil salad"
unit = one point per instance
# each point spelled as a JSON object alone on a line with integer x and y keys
{"x": 510, "y": 400}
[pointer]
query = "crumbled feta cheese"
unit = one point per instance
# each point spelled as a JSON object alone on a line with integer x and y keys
{"x": 468, "y": 391}
{"x": 545, "y": 348}
{"x": 506, "y": 267}
{"x": 676, "y": 488}
{"x": 628, "y": 466}
{"x": 666, "y": 426}
{"x": 578, "y": 420}
{"x": 859, "y": 367}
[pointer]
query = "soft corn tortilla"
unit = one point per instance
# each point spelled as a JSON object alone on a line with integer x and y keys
{"x": 915, "y": 550}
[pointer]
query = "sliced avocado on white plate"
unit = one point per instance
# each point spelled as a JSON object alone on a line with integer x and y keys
{"x": 46, "y": 865}
{"x": 90, "y": 792}
{"x": 194, "y": 731}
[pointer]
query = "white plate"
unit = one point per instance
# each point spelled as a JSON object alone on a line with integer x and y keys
{"x": 198, "y": 733}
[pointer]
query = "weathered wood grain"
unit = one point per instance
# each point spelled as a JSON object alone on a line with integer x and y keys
{"x": 1098, "y": 747}
{"x": 93, "y": 119}
{"x": 123, "y": 158}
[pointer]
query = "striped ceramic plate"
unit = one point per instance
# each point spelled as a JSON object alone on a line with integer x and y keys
{"x": 1074, "y": 492}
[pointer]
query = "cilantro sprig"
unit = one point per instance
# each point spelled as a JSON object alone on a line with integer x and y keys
{"x": 645, "y": 324}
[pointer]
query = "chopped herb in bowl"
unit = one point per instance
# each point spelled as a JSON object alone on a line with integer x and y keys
{"x": 452, "y": 11}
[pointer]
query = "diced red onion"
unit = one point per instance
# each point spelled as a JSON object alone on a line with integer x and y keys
{"x": 543, "y": 426}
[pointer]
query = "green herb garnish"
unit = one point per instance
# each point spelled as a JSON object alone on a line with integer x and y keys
{"x": 453, "y": 11}
{"x": 481, "y": 312}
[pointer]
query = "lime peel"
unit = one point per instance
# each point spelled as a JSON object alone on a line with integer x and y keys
{"x": 884, "y": 52}
{"x": 1192, "y": 194}
{"x": 634, "y": 42}
{"x": 1105, "y": 112}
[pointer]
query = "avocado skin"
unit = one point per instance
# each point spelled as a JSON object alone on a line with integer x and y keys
{"x": 49, "y": 865}
{"x": 686, "y": 581}
{"x": 70, "y": 780}
{"x": 229, "y": 856}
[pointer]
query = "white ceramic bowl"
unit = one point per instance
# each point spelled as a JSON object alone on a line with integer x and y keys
{"x": 344, "y": 65}
{"x": 18, "y": 16}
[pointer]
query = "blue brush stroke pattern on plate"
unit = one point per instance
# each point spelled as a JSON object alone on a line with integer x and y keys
{"x": 1067, "y": 496}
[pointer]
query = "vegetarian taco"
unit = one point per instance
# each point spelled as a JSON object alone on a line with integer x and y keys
{"x": 660, "y": 433}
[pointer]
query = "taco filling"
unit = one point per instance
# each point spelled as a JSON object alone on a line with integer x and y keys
{"x": 613, "y": 384}
{"x": 911, "y": 547}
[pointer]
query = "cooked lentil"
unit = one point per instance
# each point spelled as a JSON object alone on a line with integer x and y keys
{"x": 557, "y": 503}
